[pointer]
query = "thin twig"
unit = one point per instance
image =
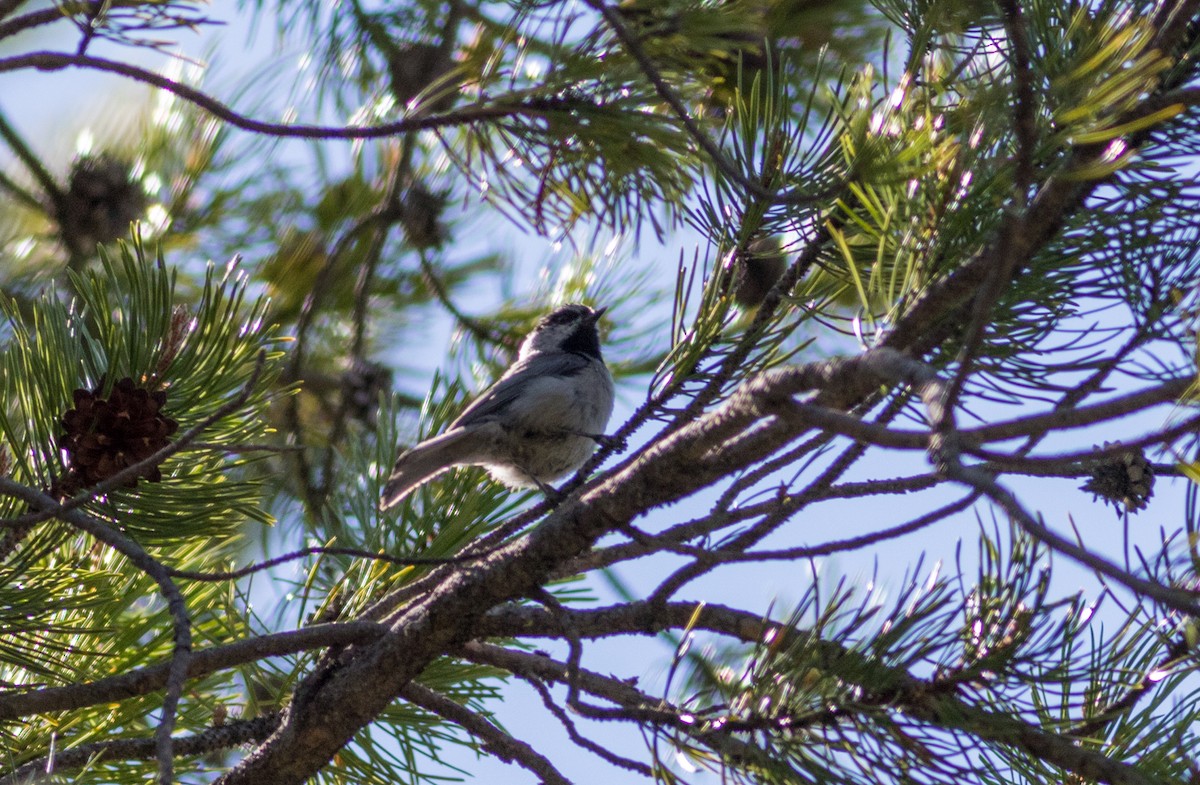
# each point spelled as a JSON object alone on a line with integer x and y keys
{"x": 57, "y": 61}
{"x": 735, "y": 359}
{"x": 8, "y": 7}
{"x": 730, "y": 555}
{"x": 495, "y": 740}
{"x": 237, "y": 447}
{"x": 1023, "y": 100}
{"x": 45, "y": 16}
{"x": 149, "y": 679}
{"x": 90, "y": 24}
{"x": 1176, "y": 599}
{"x": 1069, "y": 403}
{"x": 32, "y": 162}
{"x": 386, "y": 215}
{"x": 945, "y": 453}
{"x": 359, "y": 553}
{"x": 689, "y": 530}
{"x": 1033, "y": 465}
{"x": 535, "y": 670}
{"x": 704, "y": 561}
{"x": 219, "y": 737}
{"x": 1068, "y": 414}
{"x": 20, "y": 194}
{"x": 383, "y": 214}
{"x": 472, "y": 325}
{"x": 574, "y": 646}
{"x": 1008, "y": 249}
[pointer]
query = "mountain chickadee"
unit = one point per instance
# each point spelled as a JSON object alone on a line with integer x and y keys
{"x": 539, "y": 421}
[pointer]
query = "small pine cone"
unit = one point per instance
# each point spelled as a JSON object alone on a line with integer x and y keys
{"x": 104, "y": 436}
{"x": 421, "y": 216}
{"x": 101, "y": 199}
{"x": 1124, "y": 479}
{"x": 362, "y": 384}
{"x": 757, "y": 270}
{"x": 413, "y": 68}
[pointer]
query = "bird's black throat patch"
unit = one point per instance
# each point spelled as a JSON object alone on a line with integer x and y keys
{"x": 584, "y": 340}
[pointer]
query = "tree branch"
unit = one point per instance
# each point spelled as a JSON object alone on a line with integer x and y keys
{"x": 8, "y": 7}
{"x": 57, "y": 61}
{"x": 632, "y": 705}
{"x": 220, "y": 737}
{"x": 143, "y": 681}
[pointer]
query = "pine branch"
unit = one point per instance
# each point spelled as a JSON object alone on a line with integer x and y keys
{"x": 632, "y": 705}
{"x": 9, "y": 7}
{"x": 946, "y": 254}
{"x": 944, "y": 450}
{"x": 333, "y": 700}
{"x": 795, "y": 196}
{"x": 144, "y": 681}
{"x": 578, "y": 738}
{"x": 466, "y": 115}
{"x": 221, "y": 737}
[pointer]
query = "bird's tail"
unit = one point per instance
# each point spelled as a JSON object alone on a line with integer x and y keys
{"x": 421, "y": 464}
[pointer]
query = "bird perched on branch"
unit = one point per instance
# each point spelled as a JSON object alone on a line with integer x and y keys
{"x": 538, "y": 423}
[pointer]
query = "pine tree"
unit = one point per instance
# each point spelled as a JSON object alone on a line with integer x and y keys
{"x": 890, "y": 283}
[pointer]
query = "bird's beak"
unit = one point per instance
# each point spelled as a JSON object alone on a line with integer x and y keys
{"x": 597, "y": 313}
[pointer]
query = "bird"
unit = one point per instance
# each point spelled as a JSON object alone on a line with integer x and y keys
{"x": 539, "y": 422}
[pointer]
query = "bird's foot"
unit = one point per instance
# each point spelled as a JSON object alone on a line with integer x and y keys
{"x": 614, "y": 443}
{"x": 552, "y": 494}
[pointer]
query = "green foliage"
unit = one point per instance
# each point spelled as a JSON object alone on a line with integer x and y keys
{"x": 77, "y": 612}
{"x": 1096, "y": 66}
{"x": 201, "y": 359}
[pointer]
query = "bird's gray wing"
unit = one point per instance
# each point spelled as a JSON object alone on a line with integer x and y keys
{"x": 510, "y": 386}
